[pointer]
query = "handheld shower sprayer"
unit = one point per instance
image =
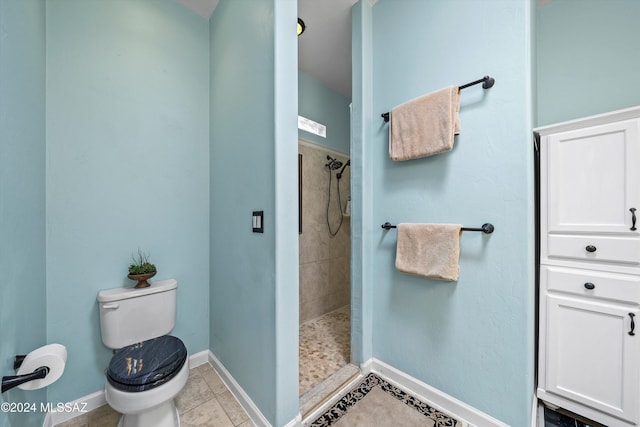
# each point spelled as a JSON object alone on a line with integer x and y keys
{"x": 332, "y": 165}
{"x": 339, "y": 175}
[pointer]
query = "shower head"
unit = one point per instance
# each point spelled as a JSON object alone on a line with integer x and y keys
{"x": 333, "y": 164}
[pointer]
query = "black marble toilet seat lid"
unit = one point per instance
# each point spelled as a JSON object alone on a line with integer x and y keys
{"x": 148, "y": 364}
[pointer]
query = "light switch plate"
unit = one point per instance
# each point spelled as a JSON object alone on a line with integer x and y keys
{"x": 258, "y": 221}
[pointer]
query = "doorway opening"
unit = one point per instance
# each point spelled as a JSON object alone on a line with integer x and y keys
{"x": 324, "y": 97}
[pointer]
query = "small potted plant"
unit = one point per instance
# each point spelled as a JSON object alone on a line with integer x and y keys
{"x": 141, "y": 269}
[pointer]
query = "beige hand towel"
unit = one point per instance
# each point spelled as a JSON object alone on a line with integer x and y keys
{"x": 425, "y": 126}
{"x": 429, "y": 250}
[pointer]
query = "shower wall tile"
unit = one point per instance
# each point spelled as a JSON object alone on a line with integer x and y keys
{"x": 316, "y": 274}
{"x": 339, "y": 273}
{"x": 325, "y": 261}
{"x": 314, "y": 243}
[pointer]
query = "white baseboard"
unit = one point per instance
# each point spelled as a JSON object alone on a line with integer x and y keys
{"x": 296, "y": 422}
{"x": 243, "y": 398}
{"x": 96, "y": 399}
{"x": 367, "y": 367}
{"x": 256, "y": 416}
{"x": 86, "y": 403}
{"x": 198, "y": 359}
{"x": 468, "y": 415}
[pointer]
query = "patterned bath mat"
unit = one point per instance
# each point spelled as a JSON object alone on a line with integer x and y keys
{"x": 381, "y": 407}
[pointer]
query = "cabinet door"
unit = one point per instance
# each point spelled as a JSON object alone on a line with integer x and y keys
{"x": 593, "y": 179}
{"x": 590, "y": 357}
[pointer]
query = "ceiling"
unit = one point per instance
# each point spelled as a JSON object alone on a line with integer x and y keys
{"x": 202, "y": 7}
{"x": 324, "y": 49}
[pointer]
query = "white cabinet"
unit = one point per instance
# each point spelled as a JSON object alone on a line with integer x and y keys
{"x": 589, "y": 345}
{"x": 590, "y": 192}
{"x": 596, "y": 178}
{"x": 591, "y": 360}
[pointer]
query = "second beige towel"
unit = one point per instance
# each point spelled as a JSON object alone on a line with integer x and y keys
{"x": 425, "y": 126}
{"x": 429, "y": 250}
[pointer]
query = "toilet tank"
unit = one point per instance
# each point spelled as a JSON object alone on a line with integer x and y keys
{"x": 129, "y": 315}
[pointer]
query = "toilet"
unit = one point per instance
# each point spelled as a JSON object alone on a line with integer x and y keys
{"x": 149, "y": 367}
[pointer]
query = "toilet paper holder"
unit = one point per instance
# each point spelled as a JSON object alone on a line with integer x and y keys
{"x": 10, "y": 382}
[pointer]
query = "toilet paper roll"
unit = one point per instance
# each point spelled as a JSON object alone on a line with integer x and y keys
{"x": 53, "y": 356}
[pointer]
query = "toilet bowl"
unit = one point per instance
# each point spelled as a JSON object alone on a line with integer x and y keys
{"x": 149, "y": 367}
{"x": 153, "y": 407}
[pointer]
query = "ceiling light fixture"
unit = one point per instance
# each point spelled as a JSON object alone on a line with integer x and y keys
{"x": 301, "y": 26}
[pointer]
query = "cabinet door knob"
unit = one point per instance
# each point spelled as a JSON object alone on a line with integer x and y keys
{"x": 633, "y": 324}
{"x": 633, "y": 219}
{"x": 589, "y": 285}
{"x": 590, "y": 248}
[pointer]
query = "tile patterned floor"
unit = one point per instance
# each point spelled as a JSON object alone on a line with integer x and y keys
{"x": 325, "y": 347}
{"x": 204, "y": 402}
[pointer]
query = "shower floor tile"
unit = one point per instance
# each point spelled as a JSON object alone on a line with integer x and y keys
{"x": 325, "y": 347}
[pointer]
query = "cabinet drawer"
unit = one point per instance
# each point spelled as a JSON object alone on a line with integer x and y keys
{"x": 606, "y": 248}
{"x": 620, "y": 287}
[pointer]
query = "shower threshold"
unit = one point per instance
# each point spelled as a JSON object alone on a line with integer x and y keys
{"x": 328, "y": 390}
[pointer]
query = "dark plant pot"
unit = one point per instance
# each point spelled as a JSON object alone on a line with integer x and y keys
{"x": 142, "y": 279}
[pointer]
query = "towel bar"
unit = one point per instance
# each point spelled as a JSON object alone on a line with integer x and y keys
{"x": 487, "y": 82}
{"x": 486, "y": 228}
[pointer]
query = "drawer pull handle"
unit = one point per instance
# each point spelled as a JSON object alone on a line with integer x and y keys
{"x": 589, "y": 285}
{"x": 633, "y": 219}
{"x": 633, "y": 324}
{"x": 590, "y": 248}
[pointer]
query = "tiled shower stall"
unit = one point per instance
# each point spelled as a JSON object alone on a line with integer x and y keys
{"x": 325, "y": 261}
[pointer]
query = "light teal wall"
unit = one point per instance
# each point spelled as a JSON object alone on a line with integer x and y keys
{"x": 362, "y": 225}
{"x": 474, "y": 338}
{"x": 254, "y": 293}
{"x": 326, "y": 106}
{"x": 286, "y": 209}
{"x": 586, "y": 58}
{"x": 22, "y": 194}
{"x": 127, "y": 167}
